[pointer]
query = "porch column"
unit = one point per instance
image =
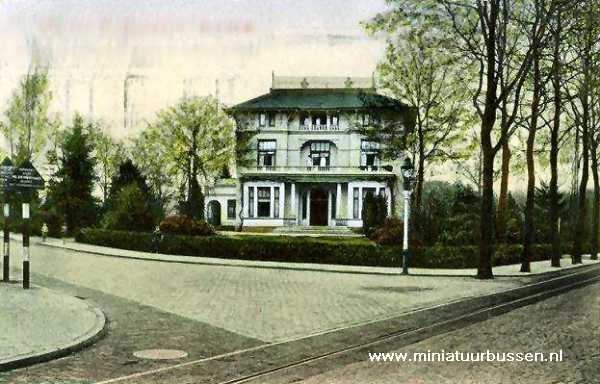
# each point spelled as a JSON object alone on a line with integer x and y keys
{"x": 293, "y": 200}
{"x": 255, "y": 201}
{"x": 245, "y": 200}
{"x": 350, "y": 209}
{"x": 360, "y": 202}
{"x": 329, "y": 207}
{"x": 308, "y": 207}
{"x": 272, "y": 205}
{"x": 338, "y": 201}
{"x": 282, "y": 201}
{"x": 388, "y": 195}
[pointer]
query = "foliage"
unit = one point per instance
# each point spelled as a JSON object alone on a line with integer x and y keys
{"x": 391, "y": 232}
{"x": 198, "y": 140}
{"x": 305, "y": 249}
{"x": 185, "y": 225}
{"x": 109, "y": 153}
{"x": 27, "y": 115}
{"x": 70, "y": 194}
{"x": 130, "y": 209}
{"x": 374, "y": 212}
{"x": 448, "y": 216}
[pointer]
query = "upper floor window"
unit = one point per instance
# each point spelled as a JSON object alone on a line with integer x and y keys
{"x": 319, "y": 119}
{"x": 320, "y": 153}
{"x": 334, "y": 120}
{"x": 369, "y": 119}
{"x": 266, "y": 153}
{"x": 265, "y": 118}
{"x": 369, "y": 153}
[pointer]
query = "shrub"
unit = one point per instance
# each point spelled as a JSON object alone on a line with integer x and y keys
{"x": 374, "y": 212}
{"x": 184, "y": 225}
{"x": 308, "y": 250}
{"x": 390, "y": 233}
{"x": 129, "y": 210}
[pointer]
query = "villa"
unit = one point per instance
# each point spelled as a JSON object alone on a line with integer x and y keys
{"x": 312, "y": 165}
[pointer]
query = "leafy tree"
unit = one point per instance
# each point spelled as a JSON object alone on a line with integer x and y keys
{"x": 27, "y": 117}
{"x": 150, "y": 155}
{"x": 71, "y": 192}
{"x": 199, "y": 140}
{"x": 109, "y": 153}
{"x": 421, "y": 70}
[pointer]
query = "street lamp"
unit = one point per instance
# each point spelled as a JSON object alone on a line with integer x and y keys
{"x": 407, "y": 174}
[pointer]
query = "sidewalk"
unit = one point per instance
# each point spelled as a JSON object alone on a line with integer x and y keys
{"x": 40, "y": 324}
{"x": 537, "y": 267}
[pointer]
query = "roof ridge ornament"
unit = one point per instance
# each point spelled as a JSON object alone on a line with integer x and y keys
{"x": 348, "y": 83}
{"x": 304, "y": 84}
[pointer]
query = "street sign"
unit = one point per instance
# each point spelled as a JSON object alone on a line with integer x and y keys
{"x": 6, "y": 171}
{"x": 26, "y": 176}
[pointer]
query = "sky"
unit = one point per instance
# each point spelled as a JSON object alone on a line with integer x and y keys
{"x": 168, "y": 49}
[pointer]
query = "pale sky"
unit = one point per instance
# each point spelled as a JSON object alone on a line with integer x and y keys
{"x": 169, "y": 48}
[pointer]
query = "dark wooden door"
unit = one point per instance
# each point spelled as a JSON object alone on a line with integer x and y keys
{"x": 318, "y": 207}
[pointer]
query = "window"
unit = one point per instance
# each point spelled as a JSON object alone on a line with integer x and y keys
{"x": 231, "y": 209}
{"x": 266, "y": 153}
{"x": 369, "y": 153}
{"x": 365, "y": 191}
{"x": 262, "y": 119}
{"x": 251, "y": 202}
{"x": 355, "y": 202}
{"x": 305, "y": 120}
{"x": 334, "y": 120}
{"x": 264, "y": 202}
{"x": 271, "y": 119}
{"x": 319, "y": 153}
{"x": 319, "y": 119}
{"x": 276, "y": 202}
{"x": 369, "y": 119}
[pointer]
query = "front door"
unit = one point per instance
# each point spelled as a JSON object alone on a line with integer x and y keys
{"x": 318, "y": 207}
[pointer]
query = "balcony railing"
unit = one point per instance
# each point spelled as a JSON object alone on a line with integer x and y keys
{"x": 320, "y": 169}
{"x": 319, "y": 127}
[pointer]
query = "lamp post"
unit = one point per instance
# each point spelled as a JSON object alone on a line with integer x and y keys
{"x": 407, "y": 175}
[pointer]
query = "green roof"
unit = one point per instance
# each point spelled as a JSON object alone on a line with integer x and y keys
{"x": 300, "y": 99}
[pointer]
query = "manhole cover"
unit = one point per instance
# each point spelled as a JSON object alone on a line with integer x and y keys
{"x": 160, "y": 354}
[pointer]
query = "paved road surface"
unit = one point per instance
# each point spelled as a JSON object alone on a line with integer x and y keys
{"x": 570, "y": 322}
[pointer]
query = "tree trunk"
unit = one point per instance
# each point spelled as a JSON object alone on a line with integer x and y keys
{"x": 554, "y": 148}
{"x": 503, "y": 196}
{"x": 420, "y": 181}
{"x": 529, "y": 234}
{"x": 596, "y": 209}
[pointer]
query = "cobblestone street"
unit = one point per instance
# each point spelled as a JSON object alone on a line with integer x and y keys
{"x": 570, "y": 322}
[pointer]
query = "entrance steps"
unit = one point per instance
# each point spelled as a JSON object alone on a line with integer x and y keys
{"x": 316, "y": 231}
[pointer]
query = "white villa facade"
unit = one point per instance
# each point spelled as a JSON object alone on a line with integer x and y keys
{"x": 311, "y": 165}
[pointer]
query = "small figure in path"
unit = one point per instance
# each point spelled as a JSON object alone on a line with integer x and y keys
{"x": 156, "y": 239}
{"x": 44, "y": 232}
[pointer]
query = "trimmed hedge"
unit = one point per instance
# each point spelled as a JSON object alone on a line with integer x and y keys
{"x": 344, "y": 251}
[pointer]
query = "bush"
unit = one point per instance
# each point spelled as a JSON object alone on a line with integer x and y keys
{"x": 307, "y": 250}
{"x": 374, "y": 212}
{"x": 184, "y": 225}
{"x": 128, "y": 210}
{"x": 390, "y": 233}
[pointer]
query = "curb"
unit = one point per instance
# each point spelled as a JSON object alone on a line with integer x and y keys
{"x": 98, "y": 331}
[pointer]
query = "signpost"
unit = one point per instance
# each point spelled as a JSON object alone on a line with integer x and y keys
{"x": 6, "y": 171}
{"x": 24, "y": 179}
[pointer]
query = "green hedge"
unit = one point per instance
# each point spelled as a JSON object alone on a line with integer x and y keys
{"x": 347, "y": 251}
